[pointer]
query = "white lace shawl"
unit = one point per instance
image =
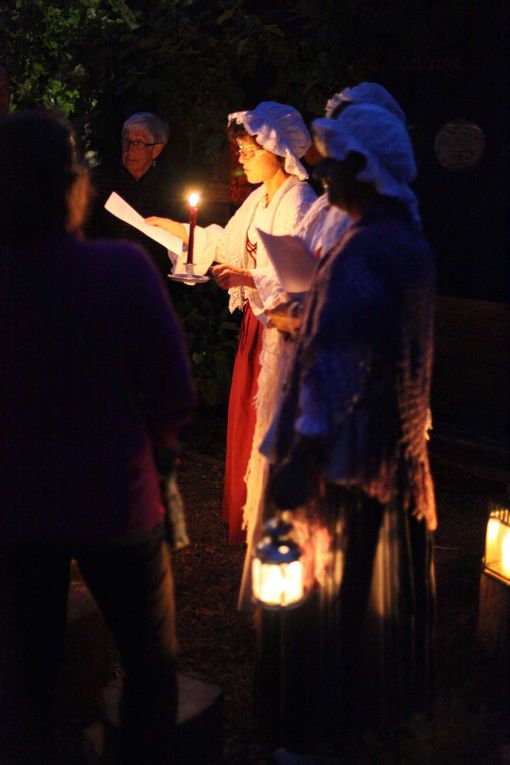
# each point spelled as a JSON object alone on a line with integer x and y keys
{"x": 323, "y": 226}
{"x": 227, "y": 245}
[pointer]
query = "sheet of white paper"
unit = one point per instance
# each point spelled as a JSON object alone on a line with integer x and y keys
{"x": 120, "y": 208}
{"x": 292, "y": 260}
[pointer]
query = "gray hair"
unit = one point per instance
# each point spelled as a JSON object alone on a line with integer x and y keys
{"x": 154, "y": 125}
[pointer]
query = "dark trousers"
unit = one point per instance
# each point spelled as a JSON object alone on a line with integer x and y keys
{"x": 133, "y": 588}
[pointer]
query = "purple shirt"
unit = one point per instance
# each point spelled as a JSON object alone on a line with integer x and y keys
{"x": 75, "y": 460}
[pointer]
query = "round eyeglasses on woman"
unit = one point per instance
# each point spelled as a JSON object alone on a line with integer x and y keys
{"x": 136, "y": 144}
{"x": 247, "y": 153}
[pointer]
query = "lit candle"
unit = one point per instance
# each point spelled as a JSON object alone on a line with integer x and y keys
{"x": 193, "y": 207}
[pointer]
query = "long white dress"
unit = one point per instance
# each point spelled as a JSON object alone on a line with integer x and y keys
{"x": 214, "y": 243}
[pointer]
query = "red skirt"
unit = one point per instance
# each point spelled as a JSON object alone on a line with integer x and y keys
{"x": 241, "y": 423}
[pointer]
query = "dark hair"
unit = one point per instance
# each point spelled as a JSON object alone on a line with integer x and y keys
{"x": 39, "y": 170}
{"x": 339, "y": 108}
{"x": 235, "y": 132}
{"x": 344, "y": 188}
{"x": 156, "y": 127}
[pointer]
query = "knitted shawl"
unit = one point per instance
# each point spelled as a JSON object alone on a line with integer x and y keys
{"x": 361, "y": 378}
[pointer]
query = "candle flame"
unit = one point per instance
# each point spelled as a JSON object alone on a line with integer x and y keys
{"x": 193, "y": 199}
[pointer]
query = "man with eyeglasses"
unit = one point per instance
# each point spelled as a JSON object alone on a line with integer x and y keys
{"x": 137, "y": 179}
{"x": 5, "y": 90}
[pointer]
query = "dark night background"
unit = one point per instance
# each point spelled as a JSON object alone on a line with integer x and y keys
{"x": 194, "y": 61}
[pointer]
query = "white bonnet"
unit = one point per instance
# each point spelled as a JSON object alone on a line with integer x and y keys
{"x": 280, "y": 129}
{"x": 381, "y": 138}
{"x": 366, "y": 93}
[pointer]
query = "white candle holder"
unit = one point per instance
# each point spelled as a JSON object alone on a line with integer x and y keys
{"x": 189, "y": 276}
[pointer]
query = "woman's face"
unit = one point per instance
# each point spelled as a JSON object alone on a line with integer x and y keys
{"x": 338, "y": 178}
{"x": 139, "y": 151}
{"x": 334, "y": 181}
{"x": 258, "y": 164}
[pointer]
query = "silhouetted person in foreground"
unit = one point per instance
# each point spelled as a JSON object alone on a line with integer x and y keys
{"x": 94, "y": 377}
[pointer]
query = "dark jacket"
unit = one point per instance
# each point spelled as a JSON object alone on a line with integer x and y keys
{"x": 152, "y": 194}
{"x": 75, "y": 458}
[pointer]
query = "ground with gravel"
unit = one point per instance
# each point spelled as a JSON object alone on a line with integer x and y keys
{"x": 217, "y": 642}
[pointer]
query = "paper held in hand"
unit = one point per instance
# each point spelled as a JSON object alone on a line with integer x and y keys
{"x": 292, "y": 260}
{"x": 120, "y": 208}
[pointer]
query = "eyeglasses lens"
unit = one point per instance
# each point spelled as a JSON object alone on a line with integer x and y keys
{"x": 247, "y": 153}
{"x": 136, "y": 144}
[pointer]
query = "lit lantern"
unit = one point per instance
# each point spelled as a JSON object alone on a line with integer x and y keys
{"x": 277, "y": 571}
{"x": 494, "y": 602}
{"x": 496, "y": 559}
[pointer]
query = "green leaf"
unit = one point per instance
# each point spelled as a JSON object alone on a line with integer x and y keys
{"x": 226, "y": 16}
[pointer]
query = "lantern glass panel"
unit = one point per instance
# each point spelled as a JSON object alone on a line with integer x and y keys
{"x": 505, "y": 557}
{"x": 497, "y": 545}
{"x": 278, "y": 585}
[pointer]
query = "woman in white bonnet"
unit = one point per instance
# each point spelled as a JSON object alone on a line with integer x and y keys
{"x": 270, "y": 140}
{"x": 351, "y": 464}
{"x": 324, "y": 224}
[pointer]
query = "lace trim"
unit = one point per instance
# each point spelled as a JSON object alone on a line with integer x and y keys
{"x": 250, "y": 249}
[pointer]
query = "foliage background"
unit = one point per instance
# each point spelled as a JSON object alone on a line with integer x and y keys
{"x": 194, "y": 61}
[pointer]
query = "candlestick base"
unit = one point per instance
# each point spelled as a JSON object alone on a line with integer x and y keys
{"x": 188, "y": 278}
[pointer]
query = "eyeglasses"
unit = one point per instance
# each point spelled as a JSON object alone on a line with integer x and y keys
{"x": 137, "y": 144}
{"x": 248, "y": 153}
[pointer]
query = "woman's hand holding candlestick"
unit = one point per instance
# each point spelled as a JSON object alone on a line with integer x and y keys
{"x": 172, "y": 226}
